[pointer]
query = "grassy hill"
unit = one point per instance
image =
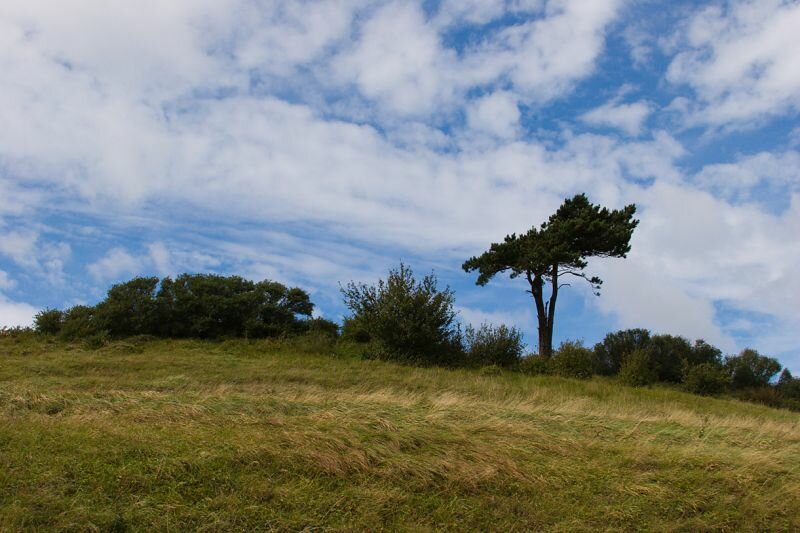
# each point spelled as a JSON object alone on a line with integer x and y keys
{"x": 169, "y": 435}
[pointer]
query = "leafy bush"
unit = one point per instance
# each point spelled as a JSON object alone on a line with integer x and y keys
{"x": 667, "y": 356}
{"x": 573, "y": 360}
{"x": 493, "y": 345}
{"x": 704, "y": 353}
{"x": 48, "y": 321}
{"x": 751, "y": 369}
{"x": 321, "y": 326}
{"x": 407, "y": 319}
{"x": 615, "y": 346}
{"x": 193, "y": 305}
{"x": 534, "y": 365}
{"x": 79, "y": 322}
{"x": 788, "y": 385}
{"x": 637, "y": 369}
{"x": 705, "y": 378}
{"x": 130, "y": 308}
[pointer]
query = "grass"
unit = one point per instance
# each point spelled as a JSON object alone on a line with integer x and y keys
{"x": 188, "y": 435}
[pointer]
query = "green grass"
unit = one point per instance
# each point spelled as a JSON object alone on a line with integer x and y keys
{"x": 186, "y": 435}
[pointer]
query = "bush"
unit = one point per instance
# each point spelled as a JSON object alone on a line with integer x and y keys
{"x": 493, "y": 345}
{"x": 321, "y": 326}
{"x": 408, "y": 320}
{"x": 615, "y": 346}
{"x": 702, "y": 352}
{"x": 573, "y": 360}
{"x": 48, "y": 321}
{"x": 705, "y": 378}
{"x": 79, "y": 322}
{"x": 637, "y": 369}
{"x": 789, "y": 386}
{"x": 534, "y": 365}
{"x": 667, "y": 356}
{"x": 750, "y": 369}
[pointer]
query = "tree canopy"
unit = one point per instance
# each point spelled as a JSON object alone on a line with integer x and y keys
{"x": 559, "y": 247}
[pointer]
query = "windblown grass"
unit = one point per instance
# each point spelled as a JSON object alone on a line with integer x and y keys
{"x": 185, "y": 435}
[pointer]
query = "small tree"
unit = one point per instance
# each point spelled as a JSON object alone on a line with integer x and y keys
{"x": 615, "y": 346}
{"x": 559, "y": 247}
{"x": 751, "y": 369}
{"x": 493, "y": 345}
{"x": 411, "y": 320}
{"x": 48, "y": 321}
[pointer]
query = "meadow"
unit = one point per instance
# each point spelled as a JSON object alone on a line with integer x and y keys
{"x": 271, "y": 435}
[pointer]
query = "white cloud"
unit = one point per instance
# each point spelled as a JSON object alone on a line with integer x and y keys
{"x": 742, "y": 61}
{"x": 627, "y": 117}
{"x": 116, "y": 264}
{"x": 692, "y": 250}
{"x": 26, "y": 249}
{"x": 15, "y": 313}
{"x": 161, "y": 258}
{"x": 496, "y": 114}
{"x": 738, "y": 180}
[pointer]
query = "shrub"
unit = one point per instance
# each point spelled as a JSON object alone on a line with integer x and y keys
{"x": 493, "y": 345}
{"x": 129, "y": 308}
{"x": 321, "y": 326}
{"x": 667, "y": 356}
{"x": 408, "y": 320}
{"x": 637, "y": 369}
{"x": 48, "y": 321}
{"x": 615, "y": 346}
{"x": 534, "y": 365}
{"x": 751, "y": 369}
{"x": 705, "y": 378}
{"x": 80, "y": 322}
{"x": 789, "y": 386}
{"x": 573, "y": 360}
{"x": 702, "y": 352}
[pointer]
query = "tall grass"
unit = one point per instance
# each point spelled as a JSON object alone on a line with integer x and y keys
{"x": 273, "y": 435}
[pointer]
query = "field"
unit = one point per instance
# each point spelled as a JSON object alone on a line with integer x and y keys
{"x": 190, "y": 435}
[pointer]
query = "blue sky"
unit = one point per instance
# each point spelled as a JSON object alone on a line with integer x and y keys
{"x": 320, "y": 142}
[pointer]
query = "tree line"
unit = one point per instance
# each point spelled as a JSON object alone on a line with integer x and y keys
{"x": 412, "y": 320}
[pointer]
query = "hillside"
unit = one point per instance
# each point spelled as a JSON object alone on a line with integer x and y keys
{"x": 189, "y": 435}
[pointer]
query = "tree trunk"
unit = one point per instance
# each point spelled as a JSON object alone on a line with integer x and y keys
{"x": 545, "y": 325}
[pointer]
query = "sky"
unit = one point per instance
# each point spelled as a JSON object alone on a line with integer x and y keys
{"x": 314, "y": 143}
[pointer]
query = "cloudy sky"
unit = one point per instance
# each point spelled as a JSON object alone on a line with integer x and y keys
{"x": 318, "y": 142}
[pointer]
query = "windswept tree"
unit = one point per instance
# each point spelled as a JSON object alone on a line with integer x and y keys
{"x": 560, "y": 247}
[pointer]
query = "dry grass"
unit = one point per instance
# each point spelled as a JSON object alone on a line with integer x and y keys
{"x": 257, "y": 436}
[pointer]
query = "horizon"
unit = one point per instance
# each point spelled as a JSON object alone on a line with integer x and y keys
{"x": 318, "y": 143}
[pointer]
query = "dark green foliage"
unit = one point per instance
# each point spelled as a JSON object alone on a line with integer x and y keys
{"x": 615, "y": 346}
{"x": 80, "y": 322}
{"x": 194, "y": 305}
{"x": 130, "y": 308}
{"x": 704, "y": 353}
{"x": 667, "y": 356}
{"x": 321, "y": 326}
{"x": 406, "y": 319}
{"x": 493, "y": 345}
{"x": 48, "y": 321}
{"x": 789, "y": 386}
{"x": 559, "y": 247}
{"x": 705, "y": 379}
{"x": 750, "y": 369}
{"x": 534, "y": 365}
{"x": 211, "y": 306}
{"x": 637, "y": 369}
{"x": 573, "y": 360}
